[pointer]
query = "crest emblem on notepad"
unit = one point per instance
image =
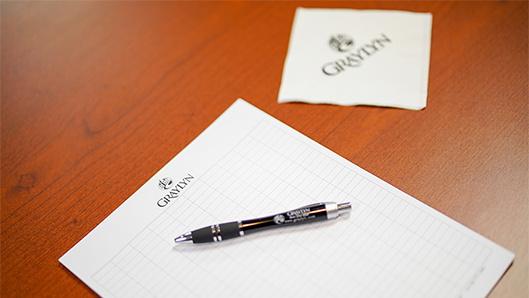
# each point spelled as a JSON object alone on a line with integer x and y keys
{"x": 165, "y": 183}
{"x": 341, "y": 42}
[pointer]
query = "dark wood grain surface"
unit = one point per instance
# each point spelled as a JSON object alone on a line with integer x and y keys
{"x": 97, "y": 96}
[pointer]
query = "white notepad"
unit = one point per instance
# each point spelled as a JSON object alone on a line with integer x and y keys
{"x": 248, "y": 164}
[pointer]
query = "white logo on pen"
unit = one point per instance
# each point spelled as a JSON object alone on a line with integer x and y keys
{"x": 279, "y": 219}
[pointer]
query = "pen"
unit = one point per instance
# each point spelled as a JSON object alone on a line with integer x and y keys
{"x": 307, "y": 214}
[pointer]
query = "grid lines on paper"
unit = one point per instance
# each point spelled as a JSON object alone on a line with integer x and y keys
{"x": 388, "y": 247}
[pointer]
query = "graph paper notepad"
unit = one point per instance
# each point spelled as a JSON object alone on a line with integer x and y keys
{"x": 247, "y": 164}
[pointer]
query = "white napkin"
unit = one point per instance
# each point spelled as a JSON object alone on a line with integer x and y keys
{"x": 358, "y": 57}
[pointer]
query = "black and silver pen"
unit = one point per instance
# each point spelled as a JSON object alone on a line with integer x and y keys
{"x": 307, "y": 214}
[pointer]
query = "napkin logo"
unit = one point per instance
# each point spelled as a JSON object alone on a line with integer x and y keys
{"x": 341, "y": 43}
{"x": 174, "y": 189}
{"x": 355, "y": 57}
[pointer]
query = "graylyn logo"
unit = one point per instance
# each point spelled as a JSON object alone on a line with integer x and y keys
{"x": 279, "y": 219}
{"x": 165, "y": 183}
{"x": 175, "y": 189}
{"x": 341, "y": 42}
{"x": 354, "y": 57}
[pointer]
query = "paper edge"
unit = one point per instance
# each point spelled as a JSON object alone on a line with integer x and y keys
{"x": 425, "y": 68}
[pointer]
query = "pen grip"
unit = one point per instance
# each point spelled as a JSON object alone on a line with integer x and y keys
{"x": 216, "y": 233}
{"x": 229, "y": 230}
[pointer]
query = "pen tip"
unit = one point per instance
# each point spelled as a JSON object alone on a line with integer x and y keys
{"x": 184, "y": 238}
{"x": 344, "y": 208}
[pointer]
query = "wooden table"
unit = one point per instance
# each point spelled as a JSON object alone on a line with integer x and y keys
{"x": 93, "y": 94}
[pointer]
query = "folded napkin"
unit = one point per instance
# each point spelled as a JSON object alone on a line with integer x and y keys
{"x": 358, "y": 57}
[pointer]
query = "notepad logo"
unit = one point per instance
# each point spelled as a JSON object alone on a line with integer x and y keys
{"x": 165, "y": 183}
{"x": 175, "y": 189}
{"x": 355, "y": 57}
